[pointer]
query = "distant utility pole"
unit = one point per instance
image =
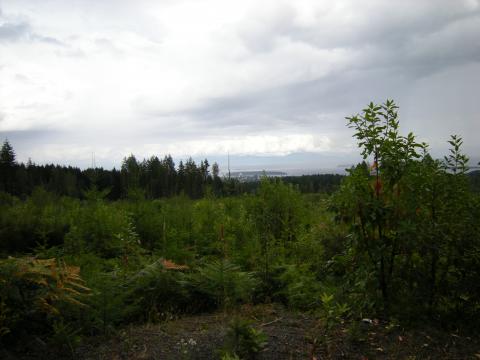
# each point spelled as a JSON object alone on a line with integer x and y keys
{"x": 93, "y": 174}
{"x": 94, "y": 164}
{"x": 228, "y": 157}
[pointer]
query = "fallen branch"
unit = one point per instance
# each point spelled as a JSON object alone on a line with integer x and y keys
{"x": 271, "y": 322}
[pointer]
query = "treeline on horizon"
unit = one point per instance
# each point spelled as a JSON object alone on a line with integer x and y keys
{"x": 151, "y": 178}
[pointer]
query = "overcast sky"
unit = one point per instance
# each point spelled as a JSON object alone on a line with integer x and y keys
{"x": 268, "y": 81}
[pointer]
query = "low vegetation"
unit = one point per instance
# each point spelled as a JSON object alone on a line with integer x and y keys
{"x": 397, "y": 244}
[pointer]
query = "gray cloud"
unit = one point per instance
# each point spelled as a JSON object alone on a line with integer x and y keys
{"x": 415, "y": 39}
{"x": 12, "y": 30}
{"x": 302, "y": 104}
{"x": 178, "y": 75}
{"x": 373, "y": 23}
{"x": 35, "y": 136}
{"x": 390, "y": 54}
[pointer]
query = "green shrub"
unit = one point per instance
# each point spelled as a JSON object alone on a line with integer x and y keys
{"x": 103, "y": 229}
{"x": 155, "y": 293}
{"x": 44, "y": 219}
{"x": 243, "y": 341}
{"x": 331, "y": 314}
{"x": 414, "y": 223}
{"x": 300, "y": 287}
{"x": 224, "y": 282}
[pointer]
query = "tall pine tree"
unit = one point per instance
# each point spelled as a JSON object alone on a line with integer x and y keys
{"x": 7, "y": 155}
{"x": 7, "y": 167}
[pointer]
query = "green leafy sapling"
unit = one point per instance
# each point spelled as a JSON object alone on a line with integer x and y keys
{"x": 456, "y": 161}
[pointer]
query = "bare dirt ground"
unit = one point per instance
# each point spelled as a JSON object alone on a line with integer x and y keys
{"x": 289, "y": 336}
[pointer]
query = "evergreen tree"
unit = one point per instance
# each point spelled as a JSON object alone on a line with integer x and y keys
{"x": 171, "y": 175}
{"x": 181, "y": 178}
{"x": 7, "y": 155}
{"x": 216, "y": 182}
{"x": 204, "y": 165}
{"x": 192, "y": 179}
{"x": 131, "y": 172}
{"x": 7, "y": 167}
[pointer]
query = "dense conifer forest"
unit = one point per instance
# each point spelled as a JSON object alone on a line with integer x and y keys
{"x": 391, "y": 247}
{"x": 150, "y": 178}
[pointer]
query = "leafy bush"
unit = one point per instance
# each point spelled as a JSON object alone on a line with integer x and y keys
{"x": 243, "y": 341}
{"x": 414, "y": 221}
{"x": 331, "y": 314}
{"x": 300, "y": 287}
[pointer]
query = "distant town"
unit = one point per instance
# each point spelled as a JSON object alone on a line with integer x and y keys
{"x": 255, "y": 175}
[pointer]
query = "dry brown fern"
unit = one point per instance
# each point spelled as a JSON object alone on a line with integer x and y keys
{"x": 48, "y": 283}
